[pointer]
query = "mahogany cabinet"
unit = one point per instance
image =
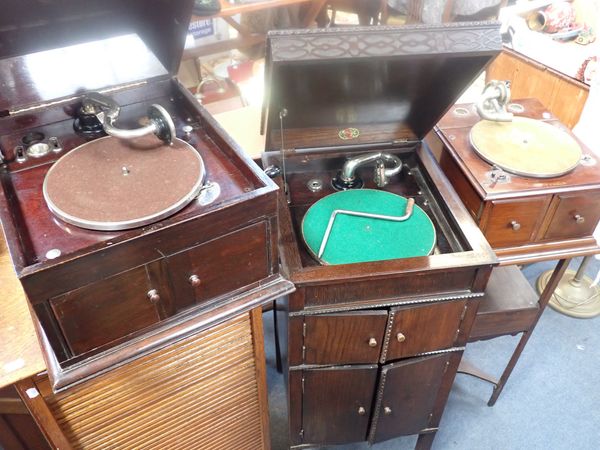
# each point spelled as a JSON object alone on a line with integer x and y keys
{"x": 102, "y": 296}
{"x": 373, "y": 346}
{"x": 524, "y": 219}
{"x": 376, "y": 374}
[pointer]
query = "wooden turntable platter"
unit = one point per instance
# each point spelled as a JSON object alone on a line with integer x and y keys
{"x": 526, "y": 147}
{"x": 114, "y": 184}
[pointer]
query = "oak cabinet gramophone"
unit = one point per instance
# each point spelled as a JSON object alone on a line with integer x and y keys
{"x": 387, "y": 262}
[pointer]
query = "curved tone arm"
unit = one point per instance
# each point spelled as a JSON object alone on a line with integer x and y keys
{"x": 493, "y": 101}
{"x": 382, "y": 174}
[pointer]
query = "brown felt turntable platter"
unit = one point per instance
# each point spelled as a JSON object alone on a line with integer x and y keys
{"x": 114, "y": 184}
{"x": 526, "y": 147}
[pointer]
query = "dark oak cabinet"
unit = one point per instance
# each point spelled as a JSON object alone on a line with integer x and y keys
{"x": 373, "y": 347}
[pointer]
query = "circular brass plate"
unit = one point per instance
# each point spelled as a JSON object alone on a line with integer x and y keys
{"x": 582, "y": 300}
{"x": 113, "y": 184}
{"x": 526, "y": 147}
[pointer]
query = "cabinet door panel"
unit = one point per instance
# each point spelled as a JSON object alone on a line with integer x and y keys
{"x": 423, "y": 328}
{"x": 344, "y": 338}
{"x": 337, "y": 404}
{"x": 408, "y": 390}
{"x": 102, "y": 312}
{"x": 220, "y": 266}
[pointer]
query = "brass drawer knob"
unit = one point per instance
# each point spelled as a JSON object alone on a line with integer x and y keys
{"x": 515, "y": 225}
{"x": 579, "y": 218}
{"x": 195, "y": 281}
{"x": 387, "y": 410}
{"x": 372, "y": 342}
{"x": 153, "y": 295}
{"x": 361, "y": 411}
{"x": 400, "y": 337}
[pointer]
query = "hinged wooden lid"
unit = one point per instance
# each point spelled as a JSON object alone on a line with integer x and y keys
{"x": 369, "y": 85}
{"x": 55, "y": 49}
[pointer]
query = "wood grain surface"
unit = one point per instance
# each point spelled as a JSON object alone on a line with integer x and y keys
{"x": 201, "y": 392}
{"x": 20, "y": 353}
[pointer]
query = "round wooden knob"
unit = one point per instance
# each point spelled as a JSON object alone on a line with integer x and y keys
{"x": 579, "y": 218}
{"x": 400, "y": 337}
{"x": 361, "y": 411}
{"x": 195, "y": 281}
{"x": 372, "y": 342}
{"x": 153, "y": 295}
{"x": 387, "y": 410}
{"x": 515, "y": 225}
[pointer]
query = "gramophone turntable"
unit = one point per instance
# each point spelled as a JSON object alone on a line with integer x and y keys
{"x": 126, "y": 208}
{"x": 532, "y": 187}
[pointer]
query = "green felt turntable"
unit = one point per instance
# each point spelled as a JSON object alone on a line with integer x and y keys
{"x": 365, "y": 225}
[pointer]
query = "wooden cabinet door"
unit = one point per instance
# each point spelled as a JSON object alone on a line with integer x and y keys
{"x": 344, "y": 338}
{"x": 220, "y": 266}
{"x": 102, "y": 312}
{"x": 337, "y": 404}
{"x": 407, "y": 394}
{"x": 416, "y": 329}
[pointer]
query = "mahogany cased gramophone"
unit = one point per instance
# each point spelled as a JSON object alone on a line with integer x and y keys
{"x": 376, "y": 328}
{"x": 126, "y": 208}
{"x": 533, "y": 188}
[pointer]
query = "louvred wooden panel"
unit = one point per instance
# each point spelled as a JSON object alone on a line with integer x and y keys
{"x": 199, "y": 393}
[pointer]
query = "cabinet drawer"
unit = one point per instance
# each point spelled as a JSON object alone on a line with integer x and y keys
{"x": 514, "y": 222}
{"x": 101, "y": 312}
{"x": 423, "y": 328}
{"x": 575, "y": 216}
{"x": 217, "y": 267}
{"x": 344, "y": 338}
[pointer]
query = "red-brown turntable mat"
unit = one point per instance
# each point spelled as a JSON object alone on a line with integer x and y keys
{"x": 114, "y": 184}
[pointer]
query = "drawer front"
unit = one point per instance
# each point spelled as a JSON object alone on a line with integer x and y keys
{"x": 575, "y": 216}
{"x": 222, "y": 265}
{"x": 101, "y": 312}
{"x": 345, "y": 338}
{"x": 336, "y": 404}
{"x": 515, "y": 221}
{"x": 409, "y": 392}
{"x": 423, "y": 328}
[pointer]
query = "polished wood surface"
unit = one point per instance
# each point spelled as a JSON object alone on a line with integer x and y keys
{"x": 205, "y": 391}
{"x": 18, "y": 430}
{"x": 344, "y": 338}
{"x": 336, "y": 407}
{"x": 68, "y": 36}
{"x": 406, "y": 336}
{"x": 20, "y": 354}
{"x": 562, "y": 95}
{"x": 525, "y": 219}
{"x": 408, "y": 391}
{"x": 509, "y": 305}
{"x": 149, "y": 266}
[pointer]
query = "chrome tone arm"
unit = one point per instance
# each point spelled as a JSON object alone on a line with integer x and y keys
{"x": 382, "y": 174}
{"x": 493, "y": 102}
{"x": 107, "y": 111}
{"x": 407, "y": 214}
